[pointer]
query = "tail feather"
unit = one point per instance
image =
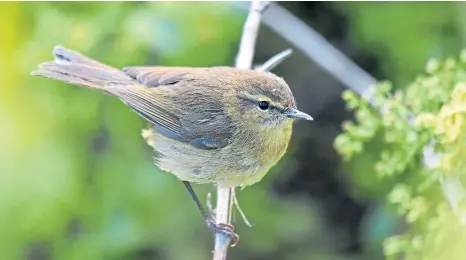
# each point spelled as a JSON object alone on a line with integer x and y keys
{"x": 73, "y": 67}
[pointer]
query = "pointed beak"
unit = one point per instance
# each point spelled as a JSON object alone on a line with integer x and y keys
{"x": 296, "y": 114}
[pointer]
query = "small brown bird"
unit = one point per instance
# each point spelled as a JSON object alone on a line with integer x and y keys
{"x": 219, "y": 125}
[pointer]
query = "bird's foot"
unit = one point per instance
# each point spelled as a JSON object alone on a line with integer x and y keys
{"x": 225, "y": 229}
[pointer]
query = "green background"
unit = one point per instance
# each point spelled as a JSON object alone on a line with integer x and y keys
{"x": 78, "y": 182}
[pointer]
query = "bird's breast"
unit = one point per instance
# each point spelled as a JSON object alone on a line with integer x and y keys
{"x": 272, "y": 144}
{"x": 242, "y": 163}
{"x": 265, "y": 149}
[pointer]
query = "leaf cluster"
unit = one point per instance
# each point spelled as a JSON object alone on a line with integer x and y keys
{"x": 429, "y": 111}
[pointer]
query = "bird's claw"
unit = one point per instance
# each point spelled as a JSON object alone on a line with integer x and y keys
{"x": 227, "y": 230}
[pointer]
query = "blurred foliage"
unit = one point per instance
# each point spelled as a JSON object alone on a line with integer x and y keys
{"x": 78, "y": 182}
{"x": 438, "y": 100}
{"x": 404, "y": 35}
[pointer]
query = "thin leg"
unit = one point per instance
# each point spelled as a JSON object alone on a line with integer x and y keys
{"x": 221, "y": 228}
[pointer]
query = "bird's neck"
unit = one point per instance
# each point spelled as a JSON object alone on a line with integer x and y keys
{"x": 273, "y": 142}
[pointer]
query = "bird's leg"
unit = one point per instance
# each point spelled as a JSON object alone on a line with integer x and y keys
{"x": 223, "y": 228}
{"x": 235, "y": 201}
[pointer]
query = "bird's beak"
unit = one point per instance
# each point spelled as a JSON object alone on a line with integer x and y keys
{"x": 294, "y": 113}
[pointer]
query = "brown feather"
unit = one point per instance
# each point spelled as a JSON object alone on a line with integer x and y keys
{"x": 158, "y": 76}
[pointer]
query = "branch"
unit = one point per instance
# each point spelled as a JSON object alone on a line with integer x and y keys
{"x": 243, "y": 60}
{"x": 315, "y": 47}
{"x": 319, "y": 50}
{"x": 250, "y": 29}
{"x": 275, "y": 60}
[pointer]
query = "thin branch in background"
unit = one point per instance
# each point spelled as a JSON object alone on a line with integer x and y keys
{"x": 329, "y": 58}
{"x": 275, "y": 60}
{"x": 316, "y": 47}
{"x": 243, "y": 60}
{"x": 452, "y": 187}
{"x": 454, "y": 192}
{"x": 250, "y": 30}
{"x": 241, "y": 212}
{"x": 210, "y": 209}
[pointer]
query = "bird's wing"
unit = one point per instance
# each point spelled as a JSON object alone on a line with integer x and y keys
{"x": 149, "y": 106}
{"x": 149, "y": 91}
{"x": 202, "y": 123}
{"x": 158, "y": 76}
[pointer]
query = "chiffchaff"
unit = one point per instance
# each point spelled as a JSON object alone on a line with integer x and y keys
{"x": 219, "y": 125}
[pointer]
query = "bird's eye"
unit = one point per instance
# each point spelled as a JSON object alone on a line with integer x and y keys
{"x": 264, "y": 105}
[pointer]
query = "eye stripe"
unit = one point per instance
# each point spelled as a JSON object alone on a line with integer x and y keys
{"x": 255, "y": 99}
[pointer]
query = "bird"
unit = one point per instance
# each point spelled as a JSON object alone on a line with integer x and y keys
{"x": 224, "y": 126}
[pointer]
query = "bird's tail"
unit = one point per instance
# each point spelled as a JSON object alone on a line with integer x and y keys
{"x": 73, "y": 67}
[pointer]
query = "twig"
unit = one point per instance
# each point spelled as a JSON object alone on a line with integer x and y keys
{"x": 316, "y": 47}
{"x": 452, "y": 187}
{"x": 319, "y": 50}
{"x": 275, "y": 60}
{"x": 222, "y": 215}
{"x": 250, "y": 29}
{"x": 241, "y": 212}
{"x": 209, "y": 204}
{"x": 243, "y": 60}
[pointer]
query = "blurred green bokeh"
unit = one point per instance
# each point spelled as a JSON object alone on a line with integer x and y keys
{"x": 78, "y": 182}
